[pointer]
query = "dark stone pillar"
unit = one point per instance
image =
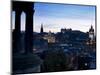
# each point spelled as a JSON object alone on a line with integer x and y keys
{"x": 17, "y": 21}
{"x": 29, "y": 32}
{"x": 16, "y": 33}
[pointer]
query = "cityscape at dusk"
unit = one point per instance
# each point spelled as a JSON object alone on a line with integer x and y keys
{"x": 51, "y": 37}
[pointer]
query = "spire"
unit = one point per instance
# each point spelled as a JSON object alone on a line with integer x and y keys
{"x": 91, "y": 29}
{"x": 41, "y": 31}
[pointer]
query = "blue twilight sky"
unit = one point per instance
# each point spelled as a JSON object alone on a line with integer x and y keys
{"x": 57, "y": 16}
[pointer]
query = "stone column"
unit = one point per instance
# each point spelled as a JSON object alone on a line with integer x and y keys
{"x": 16, "y": 33}
{"x": 17, "y": 21}
{"x": 29, "y": 32}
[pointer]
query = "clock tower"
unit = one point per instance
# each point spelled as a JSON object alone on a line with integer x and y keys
{"x": 91, "y": 33}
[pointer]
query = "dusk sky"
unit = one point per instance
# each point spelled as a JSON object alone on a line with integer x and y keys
{"x": 57, "y": 16}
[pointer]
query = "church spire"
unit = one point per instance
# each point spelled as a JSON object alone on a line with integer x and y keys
{"x": 41, "y": 31}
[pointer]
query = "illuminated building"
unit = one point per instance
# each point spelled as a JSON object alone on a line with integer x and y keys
{"x": 50, "y": 37}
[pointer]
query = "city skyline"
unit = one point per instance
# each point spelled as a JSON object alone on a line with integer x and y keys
{"x": 56, "y": 16}
{"x": 57, "y": 37}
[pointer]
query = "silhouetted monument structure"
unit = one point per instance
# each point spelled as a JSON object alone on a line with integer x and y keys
{"x": 26, "y": 62}
{"x": 26, "y": 7}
